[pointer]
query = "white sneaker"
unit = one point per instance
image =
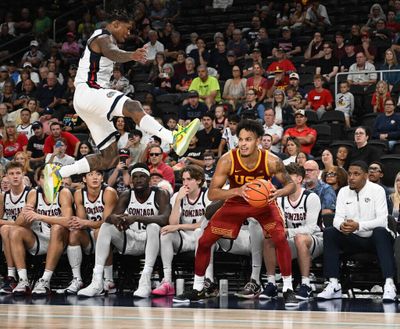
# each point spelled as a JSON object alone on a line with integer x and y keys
{"x": 389, "y": 293}
{"x": 331, "y": 291}
{"x": 75, "y": 285}
{"x": 110, "y": 287}
{"x": 95, "y": 288}
{"x": 144, "y": 288}
{"x": 42, "y": 288}
{"x": 22, "y": 289}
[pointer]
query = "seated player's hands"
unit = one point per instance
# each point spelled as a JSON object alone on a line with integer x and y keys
{"x": 183, "y": 191}
{"x": 169, "y": 229}
{"x": 349, "y": 226}
{"x": 77, "y": 223}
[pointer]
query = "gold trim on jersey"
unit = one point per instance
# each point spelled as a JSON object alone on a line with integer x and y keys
{"x": 242, "y": 164}
{"x": 232, "y": 162}
{"x": 226, "y": 233}
{"x": 266, "y": 163}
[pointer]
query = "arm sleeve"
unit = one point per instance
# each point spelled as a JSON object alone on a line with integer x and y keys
{"x": 313, "y": 205}
{"x": 381, "y": 211}
{"x": 340, "y": 213}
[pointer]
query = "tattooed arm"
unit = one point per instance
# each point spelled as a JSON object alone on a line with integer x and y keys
{"x": 105, "y": 45}
{"x": 277, "y": 169}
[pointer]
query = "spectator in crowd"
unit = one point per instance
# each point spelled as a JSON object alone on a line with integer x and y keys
{"x": 325, "y": 191}
{"x": 120, "y": 82}
{"x": 392, "y": 24}
{"x": 153, "y": 46}
{"x": 166, "y": 32}
{"x": 220, "y": 120}
{"x": 70, "y": 49}
{"x": 387, "y": 124}
{"x": 34, "y": 55}
{"x": 184, "y": 81}
{"x": 119, "y": 177}
{"x": 345, "y": 102}
{"x": 319, "y": 99}
{"x": 235, "y": 88}
{"x": 360, "y": 224}
{"x": 314, "y": 49}
{"x": 121, "y": 125}
{"x": 297, "y": 17}
{"x": 292, "y": 149}
{"x": 267, "y": 17}
{"x": 328, "y": 65}
{"x": 158, "y": 165}
{"x": 380, "y": 95}
{"x": 42, "y": 24}
{"x": 339, "y": 48}
{"x": 390, "y": 63}
{"x": 317, "y": 15}
{"x": 156, "y": 67}
{"x": 307, "y": 136}
{"x": 327, "y": 159}
{"x": 294, "y": 81}
{"x": 349, "y": 58}
{"x": 58, "y": 156}
{"x": 179, "y": 65}
{"x": 376, "y": 171}
{"x": 8, "y": 96}
{"x": 209, "y": 138}
{"x": 226, "y": 66}
{"x": 288, "y": 43}
{"x": 375, "y": 14}
{"x": 136, "y": 148}
{"x": 36, "y": 145}
{"x": 158, "y": 14}
{"x": 281, "y": 64}
{"x": 12, "y": 141}
{"x": 192, "y": 109}
{"x": 229, "y": 138}
{"x": 271, "y": 128}
{"x": 395, "y": 198}
{"x": 255, "y": 57}
{"x": 25, "y": 126}
{"x": 301, "y": 158}
{"x": 282, "y": 16}
{"x": 367, "y": 47}
{"x": 238, "y": 45}
{"x": 335, "y": 177}
{"x": 251, "y": 34}
{"x": 193, "y": 155}
{"x": 50, "y": 94}
{"x": 209, "y": 166}
{"x": 85, "y": 148}
{"x": 13, "y": 72}
{"x": 217, "y": 55}
{"x": 28, "y": 92}
{"x": 163, "y": 84}
{"x": 25, "y": 22}
{"x": 363, "y": 151}
{"x": 56, "y": 132}
{"x": 200, "y": 54}
{"x": 173, "y": 47}
{"x": 193, "y": 43}
{"x": 257, "y": 82}
{"x": 252, "y": 108}
{"x": 263, "y": 43}
{"x": 283, "y": 111}
{"x": 342, "y": 156}
{"x": 207, "y": 86}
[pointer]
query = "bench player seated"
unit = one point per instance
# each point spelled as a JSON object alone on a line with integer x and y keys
{"x": 42, "y": 228}
{"x": 188, "y": 208}
{"x": 11, "y": 204}
{"x": 249, "y": 242}
{"x": 133, "y": 229}
{"x": 93, "y": 204}
{"x": 301, "y": 210}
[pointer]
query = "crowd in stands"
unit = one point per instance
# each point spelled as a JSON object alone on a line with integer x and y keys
{"x": 279, "y": 68}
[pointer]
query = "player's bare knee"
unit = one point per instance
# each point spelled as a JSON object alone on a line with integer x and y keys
{"x": 74, "y": 238}
{"x": 5, "y": 231}
{"x": 16, "y": 234}
{"x": 269, "y": 243}
{"x": 58, "y": 231}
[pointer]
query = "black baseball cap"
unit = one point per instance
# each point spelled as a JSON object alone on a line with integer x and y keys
{"x": 193, "y": 93}
{"x": 36, "y": 124}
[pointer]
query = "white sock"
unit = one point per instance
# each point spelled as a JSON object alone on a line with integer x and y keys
{"x": 98, "y": 272}
{"x": 12, "y": 271}
{"x": 152, "y": 127}
{"x": 147, "y": 270}
{"x": 271, "y": 278}
{"x": 305, "y": 280}
{"x": 47, "y": 275}
{"x": 168, "y": 274}
{"x": 74, "y": 254}
{"x": 23, "y": 274}
{"x": 389, "y": 281}
{"x": 78, "y": 167}
{"x": 287, "y": 283}
{"x": 255, "y": 273}
{"x": 108, "y": 273}
{"x": 198, "y": 283}
{"x": 334, "y": 281}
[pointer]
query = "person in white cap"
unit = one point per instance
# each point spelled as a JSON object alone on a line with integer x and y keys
{"x": 34, "y": 55}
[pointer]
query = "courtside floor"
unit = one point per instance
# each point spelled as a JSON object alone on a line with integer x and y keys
{"x": 123, "y": 311}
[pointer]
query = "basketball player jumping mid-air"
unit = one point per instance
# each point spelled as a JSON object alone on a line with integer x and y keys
{"x": 96, "y": 104}
{"x": 241, "y": 166}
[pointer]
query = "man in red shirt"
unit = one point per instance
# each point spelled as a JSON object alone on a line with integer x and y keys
{"x": 55, "y": 133}
{"x": 319, "y": 99}
{"x": 306, "y": 135}
{"x": 157, "y": 165}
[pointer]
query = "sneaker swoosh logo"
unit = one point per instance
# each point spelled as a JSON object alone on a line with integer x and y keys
{"x": 337, "y": 290}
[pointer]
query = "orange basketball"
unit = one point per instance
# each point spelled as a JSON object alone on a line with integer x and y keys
{"x": 258, "y": 192}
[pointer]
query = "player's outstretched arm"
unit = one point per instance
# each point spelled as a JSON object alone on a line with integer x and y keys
{"x": 215, "y": 191}
{"x": 278, "y": 169}
{"x": 104, "y": 45}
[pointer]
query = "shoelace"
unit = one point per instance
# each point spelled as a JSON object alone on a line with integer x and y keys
{"x": 251, "y": 286}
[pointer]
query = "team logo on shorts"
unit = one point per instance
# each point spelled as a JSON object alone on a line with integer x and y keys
{"x": 111, "y": 94}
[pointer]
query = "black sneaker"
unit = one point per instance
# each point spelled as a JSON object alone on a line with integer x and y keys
{"x": 211, "y": 288}
{"x": 8, "y": 285}
{"x": 251, "y": 290}
{"x": 304, "y": 292}
{"x": 190, "y": 296}
{"x": 270, "y": 291}
{"x": 290, "y": 298}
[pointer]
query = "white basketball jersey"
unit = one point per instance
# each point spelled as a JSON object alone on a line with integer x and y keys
{"x": 13, "y": 207}
{"x": 26, "y": 130}
{"x": 231, "y": 140}
{"x": 295, "y": 214}
{"x": 95, "y": 209}
{"x": 44, "y": 208}
{"x": 95, "y": 69}
{"x": 192, "y": 213}
{"x": 135, "y": 208}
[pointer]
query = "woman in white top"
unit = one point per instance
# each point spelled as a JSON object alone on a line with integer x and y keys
{"x": 292, "y": 149}
{"x": 235, "y": 88}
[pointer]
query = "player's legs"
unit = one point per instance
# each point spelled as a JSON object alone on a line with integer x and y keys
{"x": 11, "y": 280}
{"x": 303, "y": 243}
{"x": 21, "y": 239}
{"x": 57, "y": 244}
{"x": 151, "y": 253}
{"x": 109, "y": 285}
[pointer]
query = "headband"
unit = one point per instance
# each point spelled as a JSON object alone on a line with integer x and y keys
{"x": 139, "y": 169}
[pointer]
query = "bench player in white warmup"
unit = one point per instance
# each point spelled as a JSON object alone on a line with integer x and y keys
{"x": 134, "y": 229}
{"x": 94, "y": 203}
{"x": 97, "y": 104}
{"x": 181, "y": 235}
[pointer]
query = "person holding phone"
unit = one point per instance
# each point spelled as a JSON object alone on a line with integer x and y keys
{"x": 59, "y": 156}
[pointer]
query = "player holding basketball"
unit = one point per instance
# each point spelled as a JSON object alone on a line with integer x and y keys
{"x": 96, "y": 104}
{"x": 241, "y": 166}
